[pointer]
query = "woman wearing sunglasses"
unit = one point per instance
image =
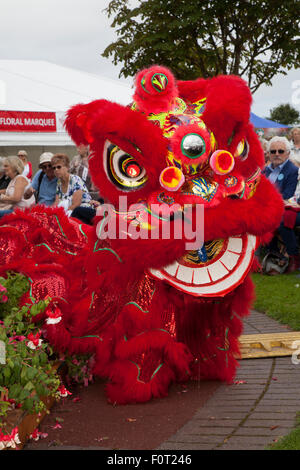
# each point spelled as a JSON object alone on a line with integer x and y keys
{"x": 71, "y": 191}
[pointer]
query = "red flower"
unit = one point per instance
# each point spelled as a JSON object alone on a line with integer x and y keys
{"x": 34, "y": 340}
{"x": 63, "y": 391}
{"x": 9, "y": 440}
{"x": 53, "y": 316}
{"x": 36, "y": 434}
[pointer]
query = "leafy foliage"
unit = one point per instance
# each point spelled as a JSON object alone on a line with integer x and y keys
{"x": 16, "y": 284}
{"x": 27, "y": 375}
{"x": 285, "y": 114}
{"x": 27, "y": 367}
{"x": 254, "y": 39}
{"x": 79, "y": 369}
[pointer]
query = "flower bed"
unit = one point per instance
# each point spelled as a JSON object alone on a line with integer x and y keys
{"x": 22, "y": 425}
{"x": 29, "y": 378}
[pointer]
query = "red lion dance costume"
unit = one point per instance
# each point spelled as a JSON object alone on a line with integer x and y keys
{"x": 148, "y": 310}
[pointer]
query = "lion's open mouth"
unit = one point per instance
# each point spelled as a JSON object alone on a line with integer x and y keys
{"x": 214, "y": 270}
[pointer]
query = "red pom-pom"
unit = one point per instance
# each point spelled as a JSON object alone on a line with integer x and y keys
{"x": 222, "y": 162}
{"x": 155, "y": 89}
{"x": 171, "y": 178}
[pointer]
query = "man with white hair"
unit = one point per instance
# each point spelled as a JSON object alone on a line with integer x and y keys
{"x": 284, "y": 174}
{"x": 281, "y": 171}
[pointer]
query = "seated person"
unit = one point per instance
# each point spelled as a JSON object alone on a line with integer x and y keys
{"x": 295, "y": 146}
{"x": 291, "y": 220}
{"x": 281, "y": 171}
{"x": 27, "y": 164}
{"x": 284, "y": 174}
{"x": 14, "y": 193}
{"x": 44, "y": 182}
{"x": 4, "y": 179}
{"x": 71, "y": 191}
{"x": 80, "y": 166}
{"x": 264, "y": 144}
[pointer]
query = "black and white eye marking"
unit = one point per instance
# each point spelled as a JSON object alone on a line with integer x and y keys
{"x": 242, "y": 150}
{"x": 122, "y": 169}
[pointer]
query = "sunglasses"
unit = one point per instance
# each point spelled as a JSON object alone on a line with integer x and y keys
{"x": 280, "y": 151}
{"x": 44, "y": 167}
{"x": 58, "y": 167}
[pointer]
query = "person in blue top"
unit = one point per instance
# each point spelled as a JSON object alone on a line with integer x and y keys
{"x": 284, "y": 174}
{"x": 281, "y": 171}
{"x": 71, "y": 191}
{"x": 44, "y": 182}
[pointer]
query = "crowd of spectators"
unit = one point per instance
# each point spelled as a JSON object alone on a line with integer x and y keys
{"x": 58, "y": 182}
{"x": 282, "y": 168}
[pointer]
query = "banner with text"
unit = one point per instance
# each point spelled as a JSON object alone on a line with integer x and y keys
{"x": 27, "y": 121}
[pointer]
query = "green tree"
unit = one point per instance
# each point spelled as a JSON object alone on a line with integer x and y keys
{"x": 285, "y": 114}
{"x": 256, "y": 39}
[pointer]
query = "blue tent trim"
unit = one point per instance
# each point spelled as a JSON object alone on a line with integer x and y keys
{"x": 259, "y": 122}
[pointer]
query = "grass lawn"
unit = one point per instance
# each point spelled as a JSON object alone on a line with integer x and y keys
{"x": 279, "y": 297}
{"x": 289, "y": 442}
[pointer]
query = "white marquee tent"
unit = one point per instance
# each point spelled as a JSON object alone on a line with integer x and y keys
{"x": 39, "y": 87}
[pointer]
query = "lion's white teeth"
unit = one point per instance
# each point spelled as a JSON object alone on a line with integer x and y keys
{"x": 185, "y": 274}
{"x": 217, "y": 271}
{"x": 201, "y": 276}
{"x": 215, "y": 278}
{"x": 229, "y": 260}
{"x": 235, "y": 245}
{"x": 172, "y": 268}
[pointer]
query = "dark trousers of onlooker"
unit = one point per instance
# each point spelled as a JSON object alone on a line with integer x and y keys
{"x": 84, "y": 214}
{"x": 289, "y": 237}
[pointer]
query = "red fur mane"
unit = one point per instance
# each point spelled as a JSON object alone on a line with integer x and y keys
{"x": 149, "y": 310}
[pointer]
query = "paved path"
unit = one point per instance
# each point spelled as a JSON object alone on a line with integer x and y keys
{"x": 248, "y": 415}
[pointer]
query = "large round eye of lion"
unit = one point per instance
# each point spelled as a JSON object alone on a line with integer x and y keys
{"x": 193, "y": 145}
{"x": 242, "y": 150}
{"x": 122, "y": 169}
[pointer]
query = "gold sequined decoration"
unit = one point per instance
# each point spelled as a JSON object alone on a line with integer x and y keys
{"x": 201, "y": 187}
{"x": 213, "y": 248}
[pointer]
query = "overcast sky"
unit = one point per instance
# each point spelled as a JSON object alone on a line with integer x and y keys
{"x": 74, "y": 33}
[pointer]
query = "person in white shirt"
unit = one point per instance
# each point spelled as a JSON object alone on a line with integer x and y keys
{"x": 14, "y": 193}
{"x": 22, "y": 154}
